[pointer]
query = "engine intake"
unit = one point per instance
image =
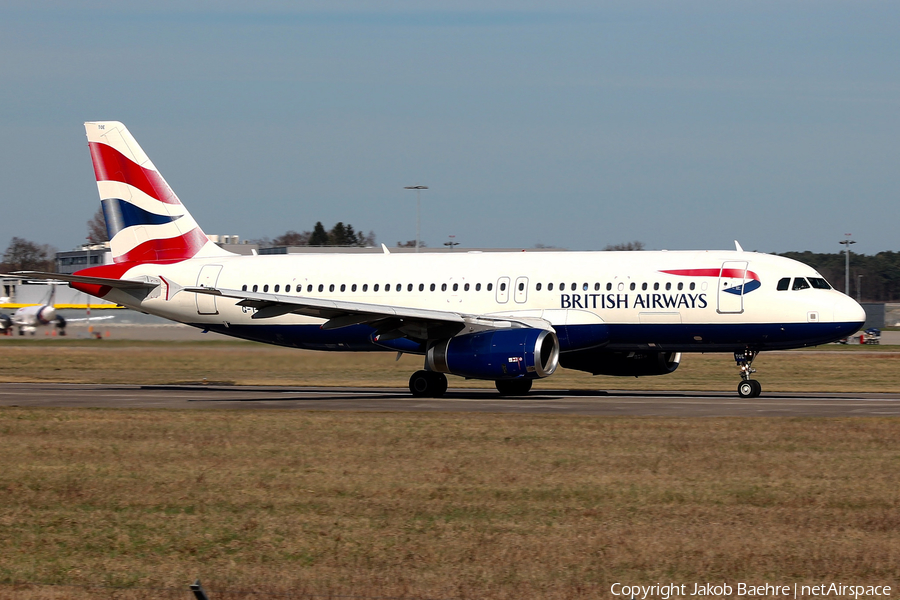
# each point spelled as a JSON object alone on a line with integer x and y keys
{"x": 497, "y": 354}
{"x": 625, "y": 364}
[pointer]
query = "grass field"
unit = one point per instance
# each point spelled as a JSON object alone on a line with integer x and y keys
{"x": 828, "y": 368}
{"x": 440, "y": 506}
{"x": 433, "y": 505}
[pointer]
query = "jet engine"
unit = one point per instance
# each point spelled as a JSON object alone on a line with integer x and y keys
{"x": 626, "y": 364}
{"x": 497, "y": 354}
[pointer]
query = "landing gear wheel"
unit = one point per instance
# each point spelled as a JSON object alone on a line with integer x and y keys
{"x": 749, "y": 389}
{"x": 427, "y": 384}
{"x": 513, "y": 387}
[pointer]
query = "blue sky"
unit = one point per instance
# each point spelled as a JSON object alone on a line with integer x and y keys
{"x": 685, "y": 125}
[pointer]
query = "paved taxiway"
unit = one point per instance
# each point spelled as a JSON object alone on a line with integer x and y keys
{"x": 573, "y": 402}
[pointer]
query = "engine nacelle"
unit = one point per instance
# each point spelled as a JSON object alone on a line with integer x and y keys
{"x": 625, "y": 364}
{"x": 497, "y": 354}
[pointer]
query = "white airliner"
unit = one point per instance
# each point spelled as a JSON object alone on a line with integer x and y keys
{"x": 506, "y": 317}
{"x": 29, "y": 318}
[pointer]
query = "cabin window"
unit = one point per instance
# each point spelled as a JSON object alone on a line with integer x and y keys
{"x": 521, "y": 286}
{"x": 375, "y": 288}
{"x": 255, "y": 287}
{"x": 244, "y": 288}
{"x": 596, "y": 287}
{"x": 574, "y": 286}
{"x": 455, "y": 287}
{"x": 503, "y": 287}
{"x": 331, "y": 288}
{"x": 443, "y": 287}
{"x": 343, "y": 287}
{"x": 668, "y": 286}
{"x": 609, "y": 287}
{"x": 621, "y": 286}
{"x": 399, "y": 287}
{"x": 680, "y": 286}
{"x": 432, "y": 287}
{"x": 632, "y": 286}
{"x": 477, "y": 287}
{"x": 353, "y": 288}
{"x": 549, "y": 287}
{"x": 277, "y": 287}
{"x": 421, "y": 287}
{"x": 693, "y": 285}
{"x": 585, "y": 287}
{"x": 266, "y": 288}
{"x": 309, "y": 288}
{"x": 466, "y": 288}
{"x": 365, "y": 287}
{"x": 409, "y": 287}
{"x": 644, "y": 286}
{"x": 490, "y": 286}
{"x": 819, "y": 283}
{"x": 538, "y": 287}
{"x": 800, "y": 284}
{"x": 287, "y": 288}
{"x": 387, "y": 287}
{"x": 656, "y": 286}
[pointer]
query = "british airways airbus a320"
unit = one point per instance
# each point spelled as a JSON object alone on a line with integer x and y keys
{"x": 505, "y": 317}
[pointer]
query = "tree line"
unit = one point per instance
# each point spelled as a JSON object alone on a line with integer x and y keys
{"x": 879, "y": 281}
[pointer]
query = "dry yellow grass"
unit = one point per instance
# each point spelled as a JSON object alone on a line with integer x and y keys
{"x": 439, "y": 506}
{"x": 844, "y": 369}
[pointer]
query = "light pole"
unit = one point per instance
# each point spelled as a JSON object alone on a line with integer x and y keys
{"x": 418, "y": 189}
{"x": 859, "y": 288}
{"x": 846, "y": 244}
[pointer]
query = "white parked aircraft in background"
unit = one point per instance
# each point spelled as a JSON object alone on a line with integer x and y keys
{"x": 506, "y": 317}
{"x": 28, "y": 318}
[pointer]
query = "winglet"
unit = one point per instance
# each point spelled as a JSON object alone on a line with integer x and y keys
{"x": 385, "y": 248}
{"x": 737, "y": 246}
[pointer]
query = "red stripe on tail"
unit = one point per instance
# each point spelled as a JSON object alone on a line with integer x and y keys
{"x": 171, "y": 249}
{"x": 112, "y": 165}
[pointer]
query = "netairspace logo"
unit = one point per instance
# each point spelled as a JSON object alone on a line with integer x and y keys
{"x": 670, "y": 590}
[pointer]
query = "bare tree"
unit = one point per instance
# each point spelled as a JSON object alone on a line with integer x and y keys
{"x": 22, "y": 255}
{"x": 629, "y": 246}
{"x": 293, "y": 238}
{"x": 97, "y": 228}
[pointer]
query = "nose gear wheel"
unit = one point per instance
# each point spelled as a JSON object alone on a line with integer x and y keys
{"x": 747, "y": 388}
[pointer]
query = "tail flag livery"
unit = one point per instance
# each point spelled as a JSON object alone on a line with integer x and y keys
{"x": 145, "y": 220}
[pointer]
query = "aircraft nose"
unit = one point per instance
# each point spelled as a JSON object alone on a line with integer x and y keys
{"x": 848, "y": 310}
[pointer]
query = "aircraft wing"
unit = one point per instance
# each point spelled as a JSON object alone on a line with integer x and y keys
{"x": 122, "y": 284}
{"x": 391, "y": 321}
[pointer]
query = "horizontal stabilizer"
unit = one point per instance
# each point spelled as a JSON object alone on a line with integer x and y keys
{"x": 122, "y": 284}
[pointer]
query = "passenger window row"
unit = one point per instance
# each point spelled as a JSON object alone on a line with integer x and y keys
{"x": 321, "y": 288}
{"x": 364, "y": 287}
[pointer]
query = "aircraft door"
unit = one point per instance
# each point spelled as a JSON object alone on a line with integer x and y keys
{"x": 503, "y": 290}
{"x": 731, "y": 287}
{"x": 209, "y": 275}
{"x": 521, "y": 290}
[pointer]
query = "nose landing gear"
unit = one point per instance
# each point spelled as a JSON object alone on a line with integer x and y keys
{"x": 747, "y": 388}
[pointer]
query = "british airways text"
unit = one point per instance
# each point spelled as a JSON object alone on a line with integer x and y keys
{"x": 645, "y": 301}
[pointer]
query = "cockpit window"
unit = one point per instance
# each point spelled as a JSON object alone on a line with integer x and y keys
{"x": 819, "y": 283}
{"x": 800, "y": 284}
{"x": 783, "y": 284}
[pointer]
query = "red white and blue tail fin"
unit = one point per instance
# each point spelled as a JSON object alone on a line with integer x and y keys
{"x": 145, "y": 220}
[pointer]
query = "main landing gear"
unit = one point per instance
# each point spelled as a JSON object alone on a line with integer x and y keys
{"x": 427, "y": 384}
{"x": 747, "y": 388}
{"x": 513, "y": 387}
